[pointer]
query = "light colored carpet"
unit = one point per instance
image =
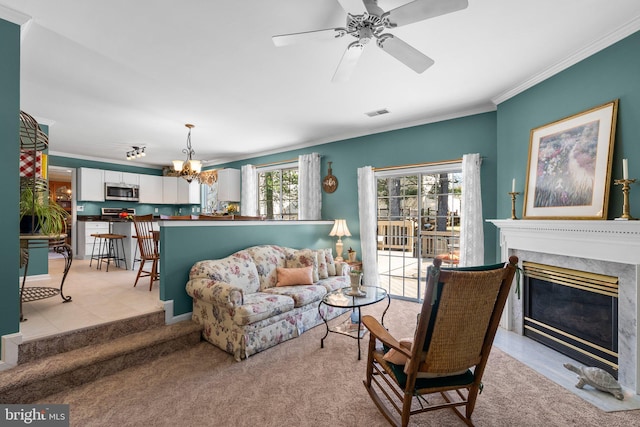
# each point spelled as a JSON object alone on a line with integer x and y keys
{"x": 299, "y": 384}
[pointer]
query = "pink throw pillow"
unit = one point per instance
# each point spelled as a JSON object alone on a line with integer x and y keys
{"x": 295, "y": 276}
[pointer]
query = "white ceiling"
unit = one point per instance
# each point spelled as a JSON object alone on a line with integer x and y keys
{"x": 108, "y": 75}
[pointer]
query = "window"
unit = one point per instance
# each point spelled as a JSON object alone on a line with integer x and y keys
{"x": 278, "y": 192}
{"x": 418, "y": 220}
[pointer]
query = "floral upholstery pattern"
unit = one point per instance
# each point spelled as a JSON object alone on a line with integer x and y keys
{"x": 301, "y": 294}
{"x": 259, "y": 306}
{"x": 303, "y": 258}
{"x": 241, "y": 309}
{"x": 235, "y": 269}
{"x": 331, "y": 264}
{"x": 267, "y": 258}
{"x": 323, "y": 272}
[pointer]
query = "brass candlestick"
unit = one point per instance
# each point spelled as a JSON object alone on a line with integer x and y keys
{"x": 625, "y": 192}
{"x": 513, "y": 204}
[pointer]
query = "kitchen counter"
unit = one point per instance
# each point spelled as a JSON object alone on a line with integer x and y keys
{"x": 88, "y": 218}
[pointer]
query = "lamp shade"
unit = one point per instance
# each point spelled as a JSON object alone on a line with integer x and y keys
{"x": 196, "y": 165}
{"x": 340, "y": 228}
{"x": 177, "y": 165}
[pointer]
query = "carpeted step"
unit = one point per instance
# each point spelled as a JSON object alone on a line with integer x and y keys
{"x": 39, "y": 348}
{"x": 34, "y": 380}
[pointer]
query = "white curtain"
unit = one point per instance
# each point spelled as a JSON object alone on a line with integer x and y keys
{"x": 471, "y": 227}
{"x": 309, "y": 187}
{"x": 249, "y": 197}
{"x": 368, "y": 224}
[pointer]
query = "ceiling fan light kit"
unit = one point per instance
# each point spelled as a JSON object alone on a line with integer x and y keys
{"x": 371, "y": 24}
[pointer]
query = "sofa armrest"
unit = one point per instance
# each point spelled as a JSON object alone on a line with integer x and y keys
{"x": 214, "y": 292}
{"x": 342, "y": 268}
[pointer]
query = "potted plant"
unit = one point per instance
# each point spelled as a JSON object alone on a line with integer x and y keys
{"x": 39, "y": 215}
{"x": 352, "y": 255}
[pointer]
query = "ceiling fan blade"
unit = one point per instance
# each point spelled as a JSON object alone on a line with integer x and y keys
{"x": 348, "y": 62}
{"x": 372, "y": 7}
{"x": 408, "y": 55}
{"x": 354, "y": 7}
{"x": 307, "y": 36}
{"x": 420, "y": 10}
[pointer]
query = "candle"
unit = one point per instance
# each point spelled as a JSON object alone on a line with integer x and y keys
{"x": 625, "y": 169}
{"x": 513, "y": 185}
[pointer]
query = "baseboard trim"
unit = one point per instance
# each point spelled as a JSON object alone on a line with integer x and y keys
{"x": 10, "y": 346}
{"x": 169, "y": 318}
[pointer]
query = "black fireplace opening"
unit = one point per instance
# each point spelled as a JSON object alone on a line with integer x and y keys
{"x": 576, "y": 320}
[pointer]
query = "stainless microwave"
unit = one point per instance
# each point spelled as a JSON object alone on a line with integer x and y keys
{"x": 120, "y": 191}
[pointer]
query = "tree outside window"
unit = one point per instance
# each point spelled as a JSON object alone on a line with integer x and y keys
{"x": 278, "y": 193}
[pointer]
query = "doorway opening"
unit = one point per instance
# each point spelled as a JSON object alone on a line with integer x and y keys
{"x": 418, "y": 213}
{"x": 61, "y": 192}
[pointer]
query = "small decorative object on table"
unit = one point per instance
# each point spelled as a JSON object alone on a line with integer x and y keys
{"x": 356, "y": 282}
{"x": 352, "y": 255}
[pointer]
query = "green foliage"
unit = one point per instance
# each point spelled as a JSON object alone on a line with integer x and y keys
{"x": 49, "y": 218}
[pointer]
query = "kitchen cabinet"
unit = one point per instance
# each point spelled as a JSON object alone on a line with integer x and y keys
{"x": 170, "y": 190}
{"x": 85, "y": 241}
{"x": 151, "y": 189}
{"x": 90, "y": 185}
{"x": 229, "y": 185}
{"x": 188, "y": 192}
{"x": 121, "y": 177}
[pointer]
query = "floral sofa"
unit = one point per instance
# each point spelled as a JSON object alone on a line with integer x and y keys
{"x": 245, "y": 309}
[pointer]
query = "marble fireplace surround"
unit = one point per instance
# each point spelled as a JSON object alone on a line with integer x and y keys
{"x": 605, "y": 247}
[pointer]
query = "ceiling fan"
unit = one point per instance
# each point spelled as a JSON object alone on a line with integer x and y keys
{"x": 367, "y": 21}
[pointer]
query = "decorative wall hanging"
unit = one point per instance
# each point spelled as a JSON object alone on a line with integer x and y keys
{"x": 569, "y": 169}
{"x": 329, "y": 182}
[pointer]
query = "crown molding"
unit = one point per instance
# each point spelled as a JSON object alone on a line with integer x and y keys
{"x": 600, "y": 44}
{"x": 105, "y": 160}
{"x": 13, "y": 16}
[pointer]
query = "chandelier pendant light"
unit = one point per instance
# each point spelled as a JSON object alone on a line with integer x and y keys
{"x": 189, "y": 169}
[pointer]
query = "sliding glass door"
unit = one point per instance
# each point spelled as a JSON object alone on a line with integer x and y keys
{"x": 418, "y": 219}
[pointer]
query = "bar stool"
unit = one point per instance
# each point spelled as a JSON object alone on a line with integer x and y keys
{"x": 108, "y": 250}
{"x": 98, "y": 237}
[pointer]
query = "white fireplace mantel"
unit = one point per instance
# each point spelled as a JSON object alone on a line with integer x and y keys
{"x": 606, "y": 247}
{"x": 616, "y": 241}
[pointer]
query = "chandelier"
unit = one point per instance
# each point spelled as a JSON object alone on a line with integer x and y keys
{"x": 189, "y": 169}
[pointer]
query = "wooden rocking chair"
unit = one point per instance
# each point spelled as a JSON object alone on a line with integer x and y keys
{"x": 451, "y": 345}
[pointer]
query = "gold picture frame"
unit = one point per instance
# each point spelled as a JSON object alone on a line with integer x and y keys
{"x": 569, "y": 166}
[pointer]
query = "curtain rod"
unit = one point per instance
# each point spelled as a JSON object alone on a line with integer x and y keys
{"x": 417, "y": 165}
{"x": 281, "y": 162}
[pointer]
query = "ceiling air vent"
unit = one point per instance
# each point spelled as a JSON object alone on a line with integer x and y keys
{"x": 377, "y": 112}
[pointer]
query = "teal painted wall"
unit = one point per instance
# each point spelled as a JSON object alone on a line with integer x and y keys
{"x": 9, "y": 172}
{"x": 613, "y": 73}
{"x": 445, "y": 140}
{"x": 181, "y": 247}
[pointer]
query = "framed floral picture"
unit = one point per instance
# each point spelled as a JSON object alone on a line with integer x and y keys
{"x": 569, "y": 169}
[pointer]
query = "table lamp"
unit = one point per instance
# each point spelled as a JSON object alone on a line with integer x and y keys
{"x": 339, "y": 229}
